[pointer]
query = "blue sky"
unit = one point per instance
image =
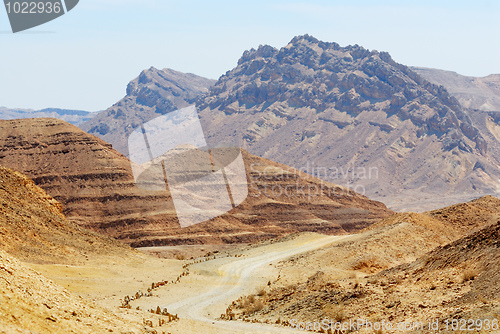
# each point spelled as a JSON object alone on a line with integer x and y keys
{"x": 85, "y": 59}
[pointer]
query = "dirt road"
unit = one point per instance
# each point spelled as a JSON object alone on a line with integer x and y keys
{"x": 203, "y": 296}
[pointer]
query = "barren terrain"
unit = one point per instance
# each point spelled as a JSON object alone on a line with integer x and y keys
{"x": 96, "y": 187}
{"x": 409, "y": 267}
{"x": 440, "y": 265}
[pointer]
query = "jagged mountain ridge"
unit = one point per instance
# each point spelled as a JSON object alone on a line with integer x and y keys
{"x": 96, "y": 186}
{"x": 316, "y": 103}
{"x": 153, "y": 93}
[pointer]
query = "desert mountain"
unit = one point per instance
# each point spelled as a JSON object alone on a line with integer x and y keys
{"x": 348, "y": 115}
{"x": 281, "y": 201}
{"x": 339, "y": 112}
{"x": 454, "y": 274}
{"x": 84, "y": 173}
{"x": 153, "y": 93}
{"x": 74, "y": 117}
{"x": 96, "y": 187}
{"x": 472, "y": 92}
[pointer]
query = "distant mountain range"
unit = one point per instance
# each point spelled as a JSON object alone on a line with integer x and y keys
{"x": 348, "y": 115}
{"x": 75, "y": 117}
{"x": 472, "y": 92}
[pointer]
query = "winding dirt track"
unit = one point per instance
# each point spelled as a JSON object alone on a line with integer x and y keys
{"x": 233, "y": 279}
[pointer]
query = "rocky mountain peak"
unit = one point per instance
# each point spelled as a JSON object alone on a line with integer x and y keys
{"x": 325, "y": 76}
{"x": 153, "y": 93}
{"x": 263, "y": 51}
{"x": 340, "y": 107}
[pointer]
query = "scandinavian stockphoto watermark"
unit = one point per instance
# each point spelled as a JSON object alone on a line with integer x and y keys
{"x": 435, "y": 325}
{"x": 170, "y": 153}
{"x": 28, "y": 14}
{"x": 310, "y": 180}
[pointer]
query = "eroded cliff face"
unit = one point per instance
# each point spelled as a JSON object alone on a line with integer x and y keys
{"x": 96, "y": 187}
{"x": 316, "y": 103}
{"x": 34, "y": 229}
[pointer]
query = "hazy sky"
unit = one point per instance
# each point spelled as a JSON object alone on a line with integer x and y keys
{"x": 84, "y": 59}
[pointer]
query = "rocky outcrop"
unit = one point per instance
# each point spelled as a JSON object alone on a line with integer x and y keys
{"x": 308, "y": 73}
{"x": 153, "y": 93}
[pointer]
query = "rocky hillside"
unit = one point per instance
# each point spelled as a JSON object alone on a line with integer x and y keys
{"x": 153, "y": 93}
{"x": 472, "y": 92}
{"x": 34, "y": 234}
{"x": 281, "y": 201}
{"x": 90, "y": 179}
{"x": 74, "y": 117}
{"x": 34, "y": 229}
{"x": 456, "y": 280}
{"x": 96, "y": 187}
{"x": 339, "y": 112}
{"x": 482, "y": 98}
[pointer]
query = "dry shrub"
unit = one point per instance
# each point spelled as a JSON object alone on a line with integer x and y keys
{"x": 180, "y": 257}
{"x": 251, "y": 305}
{"x": 262, "y": 292}
{"x": 469, "y": 274}
{"x": 335, "y": 312}
{"x": 368, "y": 265}
{"x": 247, "y": 302}
{"x": 259, "y": 305}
